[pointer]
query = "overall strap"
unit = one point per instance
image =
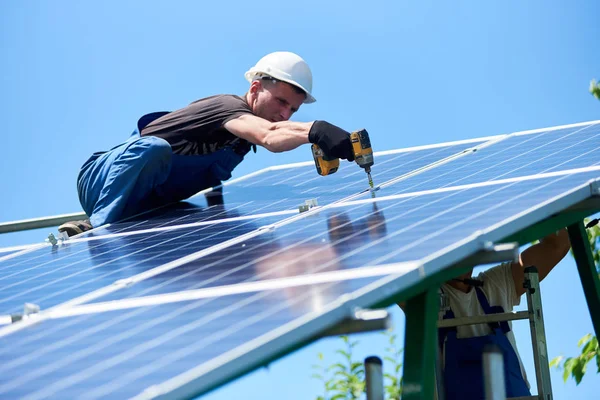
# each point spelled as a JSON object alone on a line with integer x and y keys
{"x": 487, "y": 309}
{"x": 443, "y": 332}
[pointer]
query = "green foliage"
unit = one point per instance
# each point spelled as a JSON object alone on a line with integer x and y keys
{"x": 595, "y": 89}
{"x": 575, "y": 367}
{"x": 345, "y": 379}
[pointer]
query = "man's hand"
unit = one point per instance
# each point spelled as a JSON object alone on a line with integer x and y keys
{"x": 335, "y": 142}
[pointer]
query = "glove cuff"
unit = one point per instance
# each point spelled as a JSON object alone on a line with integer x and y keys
{"x": 313, "y": 135}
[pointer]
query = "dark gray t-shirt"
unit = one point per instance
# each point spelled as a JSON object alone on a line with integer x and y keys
{"x": 198, "y": 128}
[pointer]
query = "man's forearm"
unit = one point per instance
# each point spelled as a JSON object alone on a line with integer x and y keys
{"x": 283, "y": 136}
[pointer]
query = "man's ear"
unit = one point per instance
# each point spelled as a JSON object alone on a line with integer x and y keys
{"x": 255, "y": 87}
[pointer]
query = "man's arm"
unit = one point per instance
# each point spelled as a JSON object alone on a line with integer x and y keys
{"x": 274, "y": 136}
{"x": 283, "y": 136}
{"x": 543, "y": 255}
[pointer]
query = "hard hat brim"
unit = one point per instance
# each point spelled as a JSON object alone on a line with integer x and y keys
{"x": 251, "y": 74}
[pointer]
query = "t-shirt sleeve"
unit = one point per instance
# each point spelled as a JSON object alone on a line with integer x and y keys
{"x": 234, "y": 107}
{"x": 501, "y": 286}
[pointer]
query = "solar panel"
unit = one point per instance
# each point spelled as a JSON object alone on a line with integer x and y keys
{"x": 179, "y": 300}
{"x": 285, "y": 188}
{"x": 53, "y": 275}
{"x": 515, "y": 156}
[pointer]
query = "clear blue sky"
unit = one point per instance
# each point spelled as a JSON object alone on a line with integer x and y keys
{"x": 75, "y": 76}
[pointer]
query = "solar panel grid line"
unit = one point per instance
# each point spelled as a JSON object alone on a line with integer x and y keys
{"x": 166, "y": 224}
{"x": 181, "y": 261}
{"x": 12, "y": 249}
{"x": 204, "y": 377}
{"x": 123, "y": 283}
{"x": 103, "y": 291}
{"x": 470, "y": 164}
{"x": 71, "y": 254}
{"x": 470, "y": 186}
{"x": 233, "y": 354}
{"x": 441, "y": 230}
{"x": 521, "y": 155}
{"x": 443, "y": 161}
{"x": 73, "y": 239}
{"x": 550, "y": 207}
{"x": 107, "y": 342}
{"x": 97, "y": 368}
{"x": 70, "y": 241}
{"x": 556, "y": 128}
{"x": 359, "y": 172}
{"x": 185, "y": 226}
{"x": 347, "y": 255}
{"x": 25, "y": 250}
{"x": 436, "y": 145}
{"x": 311, "y": 163}
{"x": 309, "y": 238}
{"x": 236, "y": 288}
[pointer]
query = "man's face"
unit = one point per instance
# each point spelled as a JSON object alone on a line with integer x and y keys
{"x": 276, "y": 101}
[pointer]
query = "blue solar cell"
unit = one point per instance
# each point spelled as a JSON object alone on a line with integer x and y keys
{"x": 515, "y": 156}
{"x": 287, "y": 189}
{"x": 358, "y": 235}
{"x": 121, "y": 353}
{"x": 52, "y": 275}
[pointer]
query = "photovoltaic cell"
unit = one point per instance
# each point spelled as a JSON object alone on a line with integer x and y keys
{"x": 288, "y": 188}
{"x": 354, "y": 236}
{"x": 121, "y": 353}
{"x": 515, "y": 156}
{"x": 52, "y": 275}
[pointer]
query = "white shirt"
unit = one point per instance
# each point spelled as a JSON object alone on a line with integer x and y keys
{"x": 499, "y": 289}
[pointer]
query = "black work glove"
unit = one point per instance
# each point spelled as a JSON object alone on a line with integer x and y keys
{"x": 335, "y": 142}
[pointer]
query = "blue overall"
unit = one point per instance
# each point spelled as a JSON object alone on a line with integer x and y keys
{"x": 143, "y": 173}
{"x": 463, "y": 369}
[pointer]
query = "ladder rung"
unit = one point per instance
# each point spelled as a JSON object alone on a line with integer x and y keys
{"x": 483, "y": 319}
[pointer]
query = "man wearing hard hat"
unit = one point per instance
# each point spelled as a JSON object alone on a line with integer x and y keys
{"x": 171, "y": 156}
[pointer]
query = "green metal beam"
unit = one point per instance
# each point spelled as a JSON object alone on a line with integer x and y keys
{"x": 587, "y": 270}
{"x": 420, "y": 345}
{"x": 547, "y": 226}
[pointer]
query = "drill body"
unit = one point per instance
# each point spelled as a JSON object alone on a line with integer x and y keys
{"x": 363, "y": 155}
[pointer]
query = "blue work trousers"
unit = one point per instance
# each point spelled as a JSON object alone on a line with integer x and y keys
{"x": 143, "y": 173}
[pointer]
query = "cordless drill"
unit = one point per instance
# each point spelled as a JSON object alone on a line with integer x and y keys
{"x": 363, "y": 155}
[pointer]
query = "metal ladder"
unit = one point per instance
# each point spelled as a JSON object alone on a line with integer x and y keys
{"x": 538, "y": 338}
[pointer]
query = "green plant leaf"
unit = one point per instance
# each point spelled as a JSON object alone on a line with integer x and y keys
{"x": 390, "y": 359}
{"x": 568, "y": 368}
{"x": 584, "y": 339}
{"x": 555, "y": 362}
{"x": 345, "y": 354}
{"x": 356, "y": 367}
{"x": 317, "y": 376}
{"x": 339, "y": 366}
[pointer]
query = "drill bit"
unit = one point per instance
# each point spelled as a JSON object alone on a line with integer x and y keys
{"x": 368, "y": 171}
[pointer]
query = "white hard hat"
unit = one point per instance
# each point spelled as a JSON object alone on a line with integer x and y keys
{"x": 286, "y": 67}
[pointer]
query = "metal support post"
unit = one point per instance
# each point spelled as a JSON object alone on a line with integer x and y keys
{"x": 493, "y": 373}
{"x": 538, "y": 334}
{"x": 587, "y": 271}
{"x": 374, "y": 378}
{"x": 420, "y": 345}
